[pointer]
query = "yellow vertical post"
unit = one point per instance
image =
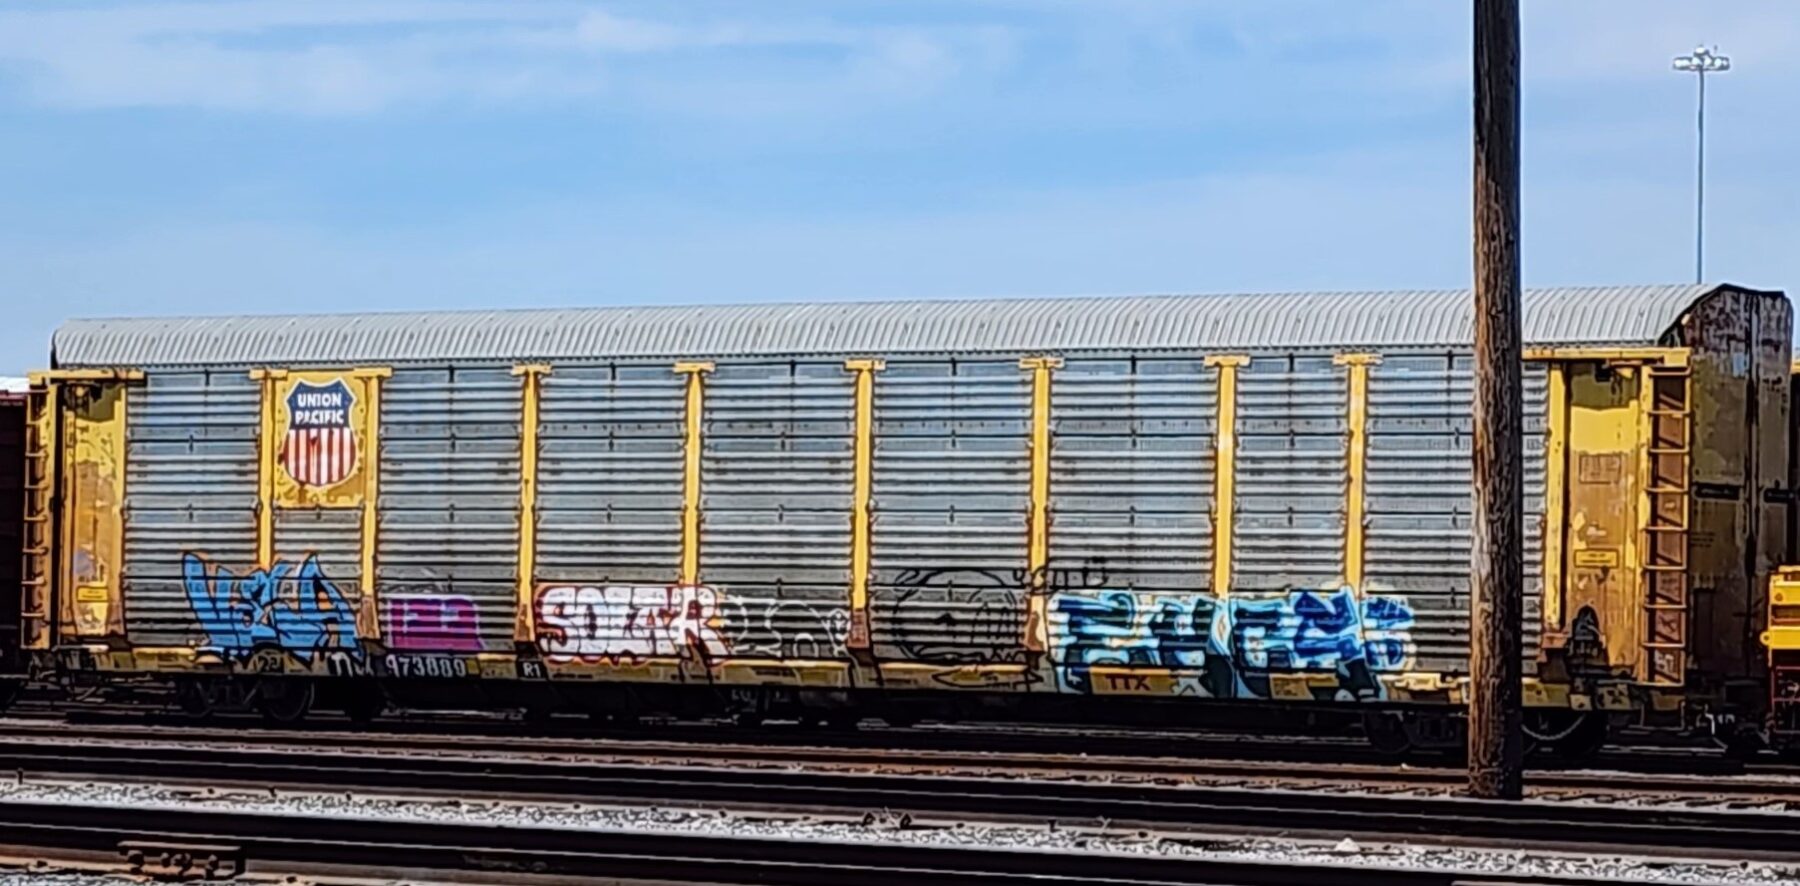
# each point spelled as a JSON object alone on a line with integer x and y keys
{"x": 266, "y": 447}
{"x": 1556, "y": 461}
{"x": 862, "y": 489}
{"x": 1037, "y": 556}
{"x": 531, "y": 380}
{"x": 368, "y": 621}
{"x": 1225, "y": 468}
{"x": 690, "y": 496}
{"x": 1356, "y": 463}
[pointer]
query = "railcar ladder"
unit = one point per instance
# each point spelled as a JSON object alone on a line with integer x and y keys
{"x": 39, "y": 562}
{"x": 1665, "y": 545}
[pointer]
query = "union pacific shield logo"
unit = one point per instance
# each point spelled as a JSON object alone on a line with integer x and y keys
{"x": 320, "y": 448}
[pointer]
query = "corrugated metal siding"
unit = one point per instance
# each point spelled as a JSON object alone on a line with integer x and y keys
{"x": 775, "y": 506}
{"x": 449, "y": 531}
{"x": 1420, "y": 494}
{"x": 610, "y": 475}
{"x": 190, "y": 486}
{"x": 1131, "y": 479}
{"x": 332, "y": 537}
{"x": 1622, "y": 314}
{"x": 951, "y": 492}
{"x": 1292, "y": 469}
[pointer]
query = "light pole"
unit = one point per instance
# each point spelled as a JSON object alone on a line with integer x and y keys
{"x": 1703, "y": 61}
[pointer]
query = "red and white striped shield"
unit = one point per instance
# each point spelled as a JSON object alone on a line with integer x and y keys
{"x": 320, "y": 448}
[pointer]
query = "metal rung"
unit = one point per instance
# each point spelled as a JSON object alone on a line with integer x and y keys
{"x": 1665, "y": 567}
{"x": 1676, "y": 645}
{"x": 1664, "y": 528}
{"x": 1667, "y": 607}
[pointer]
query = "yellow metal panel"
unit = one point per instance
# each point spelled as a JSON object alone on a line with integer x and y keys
{"x": 93, "y": 495}
{"x": 1037, "y": 556}
{"x": 861, "y": 495}
{"x": 43, "y": 378}
{"x": 690, "y": 503}
{"x": 1225, "y": 469}
{"x": 532, "y": 378}
{"x": 289, "y": 491}
{"x": 1356, "y": 491}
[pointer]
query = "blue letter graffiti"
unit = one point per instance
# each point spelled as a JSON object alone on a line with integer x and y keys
{"x": 1233, "y": 644}
{"x": 293, "y": 608}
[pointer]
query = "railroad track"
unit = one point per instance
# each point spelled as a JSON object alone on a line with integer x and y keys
{"x": 1699, "y": 819}
{"x": 223, "y": 843}
{"x": 26, "y": 738}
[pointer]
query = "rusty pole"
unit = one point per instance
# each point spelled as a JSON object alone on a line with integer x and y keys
{"x": 1496, "y": 567}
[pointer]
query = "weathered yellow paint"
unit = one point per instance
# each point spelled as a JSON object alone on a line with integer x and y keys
{"x": 690, "y": 496}
{"x": 364, "y": 422}
{"x": 119, "y": 374}
{"x": 861, "y": 495}
{"x": 39, "y": 570}
{"x": 368, "y": 619}
{"x": 93, "y": 497}
{"x": 1356, "y": 490}
{"x": 531, "y": 380}
{"x": 1604, "y": 483}
{"x": 1037, "y": 555}
{"x": 1556, "y": 493}
{"x": 782, "y": 672}
{"x": 1617, "y": 356}
{"x": 266, "y": 446}
{"x": 1225, "y": 469}
{"x": 917, "y": 675}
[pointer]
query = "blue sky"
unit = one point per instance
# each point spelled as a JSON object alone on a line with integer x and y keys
{"x": 162, "y": 158}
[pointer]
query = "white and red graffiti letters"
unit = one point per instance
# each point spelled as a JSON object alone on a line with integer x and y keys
{"x": 629, "y": 622}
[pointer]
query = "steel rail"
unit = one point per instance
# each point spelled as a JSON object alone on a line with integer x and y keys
{"x": 1331, "y": 814}
{"x": 239, "y": 839}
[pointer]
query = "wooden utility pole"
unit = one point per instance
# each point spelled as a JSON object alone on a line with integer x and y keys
{"x": 1496, "y": 564}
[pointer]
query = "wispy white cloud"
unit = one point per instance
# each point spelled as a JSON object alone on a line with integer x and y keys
{"x": 348, "y": 58}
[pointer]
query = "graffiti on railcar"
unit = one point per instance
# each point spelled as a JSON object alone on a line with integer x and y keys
{"x": 623, "y": 624}
{"x": 769, "y": 627}
{"x": 431, "y": 623}
{"x": 975, "y": 616}
{"x": 1231, "y": 647}
{"x": 290, "y": 606}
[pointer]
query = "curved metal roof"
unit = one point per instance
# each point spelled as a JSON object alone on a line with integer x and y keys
{"x": 1325, "y": 320}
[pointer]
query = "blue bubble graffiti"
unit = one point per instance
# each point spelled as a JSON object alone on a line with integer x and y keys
{"x": 1232, "y": 646}
{"x": 292, "y": 607}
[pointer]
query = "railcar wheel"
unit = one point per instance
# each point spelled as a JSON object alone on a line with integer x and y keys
{"x": 1387, "y": 733}
{"x": 284, "y": 701}
{"x": 198, "y": 697}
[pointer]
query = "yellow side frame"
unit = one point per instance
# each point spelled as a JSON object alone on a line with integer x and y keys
{"x": 1225, "y": 468}
{"x": 1356, "y": 459}
{"x": 690, "y": 496}
{"x": 1037, "y": 555}
{"x": 531, "y": 381}
{"x": 861, "y": 495}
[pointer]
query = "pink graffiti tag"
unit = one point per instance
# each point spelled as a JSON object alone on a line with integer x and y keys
{"x": 438, "y": 623}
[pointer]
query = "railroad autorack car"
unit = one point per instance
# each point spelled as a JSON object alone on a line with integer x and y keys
{"x": 1075, "y": 505}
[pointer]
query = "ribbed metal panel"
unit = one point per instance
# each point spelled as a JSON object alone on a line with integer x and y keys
{"x": 610, "y": 475}
{"x": 1420, "y": 498}
{"x": 1292, "y": 468}
{"x": 449, "y": 536}
{"x": 1622, "y": 314}
{"x": 190, "y": 487}
{"x": 951, "y": 493}
{"x": 1132, "y": 475}
{"x": 775, "y": 508}
{"x": 332, "y": 537}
